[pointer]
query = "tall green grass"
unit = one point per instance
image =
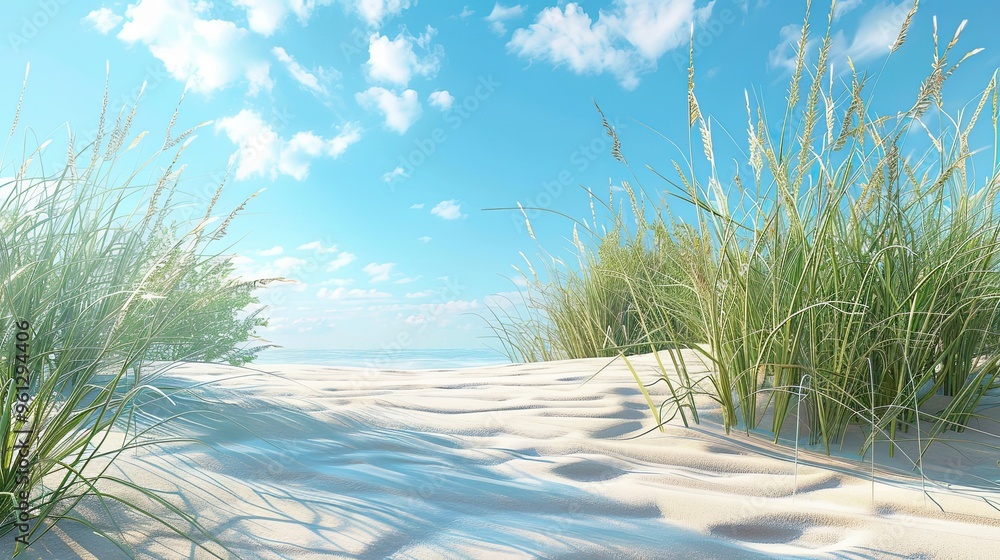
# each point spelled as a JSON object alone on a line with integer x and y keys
{"x": 104, "y": 277}
{"x": 852, "y": 269}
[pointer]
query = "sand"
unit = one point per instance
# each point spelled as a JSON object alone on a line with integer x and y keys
{"x": 519, "y": 461}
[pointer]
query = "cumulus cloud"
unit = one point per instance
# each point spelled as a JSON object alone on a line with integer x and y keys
{"x": 400, "y": 111}
{"x": 624, "y": 41}
{"x": 441, "y": 99}
{"x": 500, "y": 14}
{"x": 424, "y": 239}
{"x": 378, "y": 272}
{"x": 395, "y": 62}
{"x": 448, "y": 209}
{"x": 266, "y": 16}
{"x": 262, "y": 152}
{"x": 205, "y": 54}
{"x": 103, "y": 20}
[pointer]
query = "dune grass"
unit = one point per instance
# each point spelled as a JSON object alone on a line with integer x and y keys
{"x": 848, "y": 274}
{"x": 98, "y": 278}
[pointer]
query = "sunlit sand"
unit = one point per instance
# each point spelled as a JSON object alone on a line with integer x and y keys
{"x": 519, "y": 461}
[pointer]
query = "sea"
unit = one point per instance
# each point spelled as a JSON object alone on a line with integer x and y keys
{"x": 410, "y": 359}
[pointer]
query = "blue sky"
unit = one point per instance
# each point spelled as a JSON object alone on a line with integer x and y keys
{"x": 380, "y": 130}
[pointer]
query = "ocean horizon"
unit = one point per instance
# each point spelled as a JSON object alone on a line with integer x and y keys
{"x": 413, "y": 359}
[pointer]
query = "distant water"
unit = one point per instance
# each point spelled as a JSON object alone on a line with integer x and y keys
{"x": 386, "y": 359}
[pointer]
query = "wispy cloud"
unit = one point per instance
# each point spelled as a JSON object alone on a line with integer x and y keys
{"x": 378, "y": 272}
{"x": 501, "y": 14}
{"x": 318, "y": 247}
{"x": 343, "y": 259}
{"x": 394, "y": 175}
{"x": 299, "y": 74}
{"x": 356, "y": 294}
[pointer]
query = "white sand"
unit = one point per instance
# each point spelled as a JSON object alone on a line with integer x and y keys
{"x": 521, "y": 461}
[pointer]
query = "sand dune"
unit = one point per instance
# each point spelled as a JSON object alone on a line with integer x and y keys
{"x": 521, "y": 461}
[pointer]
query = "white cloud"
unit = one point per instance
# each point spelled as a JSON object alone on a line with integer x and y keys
{"x": 205, "y": 54}
{"x": 441, "y": 99}
{"x": 783, "y": 55}
{"x": 318, "y": 247}
{"x": 374, "y": 11}
{"x": 400, "y": 111}
{"x": 448, "y": 209}
{"x": 261, "y": 152}
{"x": 420, "y": 294}
{"x": 625, "y": 41}
{"x": 500, "y": 14}
{"x": 351, "y": 294}
{"x": 466, "y": 12}
{"x": 342, "y": 260}
{"x": 424, "y": 239}
{"x": 394, "y": 175}
{"x": 266, "y": 16}
{"x": 248, "y": 268}
{"x": 378, "y": 272}
{"x": 440, "y": 313}
{"x": 103, "y": 20}
{"x": 337, "y": 282}
{"x": 273, "y": 251}
{"x": 287, "y": 265}
{"x": 877, "y": 30}
{"x": 395, "y": 62}
{"x": 300, "y": 74}
{"x": 419, "y": 206}
{"x": 844, "y": 6}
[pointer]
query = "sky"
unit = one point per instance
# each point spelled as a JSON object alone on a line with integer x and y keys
{"x": 381, "y": 134}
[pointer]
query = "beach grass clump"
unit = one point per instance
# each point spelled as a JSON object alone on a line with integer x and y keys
{"x": 100, "y": 275}
{"x": 864, "y": 279}
{"x": 623, "y": 297}
{"x": 849, "y": 273}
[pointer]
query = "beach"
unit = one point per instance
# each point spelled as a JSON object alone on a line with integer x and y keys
{"x": 539, "y": 460}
